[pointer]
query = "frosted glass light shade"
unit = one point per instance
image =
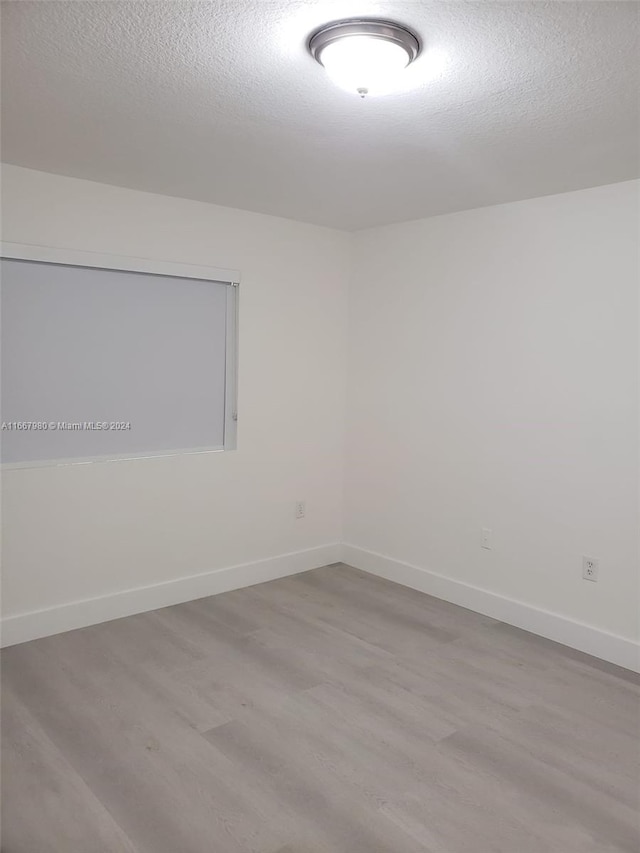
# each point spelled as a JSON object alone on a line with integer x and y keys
{"x": 364, "y": 64}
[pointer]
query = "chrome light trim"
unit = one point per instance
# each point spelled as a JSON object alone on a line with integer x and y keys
{"x": 386, "y": 30}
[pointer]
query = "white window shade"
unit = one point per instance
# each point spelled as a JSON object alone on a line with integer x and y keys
{"x": 107, "y": 364}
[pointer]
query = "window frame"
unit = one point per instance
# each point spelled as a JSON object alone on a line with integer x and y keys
{"x": 124, "y": 263}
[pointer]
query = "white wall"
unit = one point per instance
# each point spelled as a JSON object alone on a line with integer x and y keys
{"x": 74, "y": 533}
{"x": 494, "y": 383}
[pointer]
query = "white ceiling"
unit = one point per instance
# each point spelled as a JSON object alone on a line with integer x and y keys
{"x": 219, "y": 101}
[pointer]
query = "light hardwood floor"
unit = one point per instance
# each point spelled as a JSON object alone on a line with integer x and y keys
{"x": 330, "y": 712}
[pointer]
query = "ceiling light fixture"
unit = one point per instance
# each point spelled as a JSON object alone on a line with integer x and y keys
{"x": 364, "y": 56}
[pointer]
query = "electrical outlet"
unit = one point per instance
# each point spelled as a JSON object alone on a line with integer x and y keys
{"x": 486, "y": 541}
{"x": 590, "y": 568}
{"x": 301, "y": 509}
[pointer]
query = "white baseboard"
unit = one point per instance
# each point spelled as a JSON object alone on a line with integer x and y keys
{"x": 79, "y": 614}
{"x": 577, "y": 635}
{"x": 22, "y": 627}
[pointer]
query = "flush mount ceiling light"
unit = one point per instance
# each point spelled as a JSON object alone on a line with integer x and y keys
{"x": 364, "y": 56}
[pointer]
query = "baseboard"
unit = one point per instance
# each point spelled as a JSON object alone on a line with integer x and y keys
{"x": 22, "y": 627}
{"x": 79, "y": 614}
{"x": 585, "y": 638}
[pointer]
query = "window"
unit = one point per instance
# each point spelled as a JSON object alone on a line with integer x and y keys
{"x": 114, "y": 358}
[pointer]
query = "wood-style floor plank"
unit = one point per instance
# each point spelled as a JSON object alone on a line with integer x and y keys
{"x": 47, "y": 806}
{"x": 329, "y": 712}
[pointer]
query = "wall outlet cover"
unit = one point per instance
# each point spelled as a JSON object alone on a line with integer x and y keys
{"x": 590, "y": 567}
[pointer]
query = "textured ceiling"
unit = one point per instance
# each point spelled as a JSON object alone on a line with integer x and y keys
{"x": 219, "y": 101}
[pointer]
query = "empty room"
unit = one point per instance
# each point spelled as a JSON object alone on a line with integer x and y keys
{"x": 320, "y": 482}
